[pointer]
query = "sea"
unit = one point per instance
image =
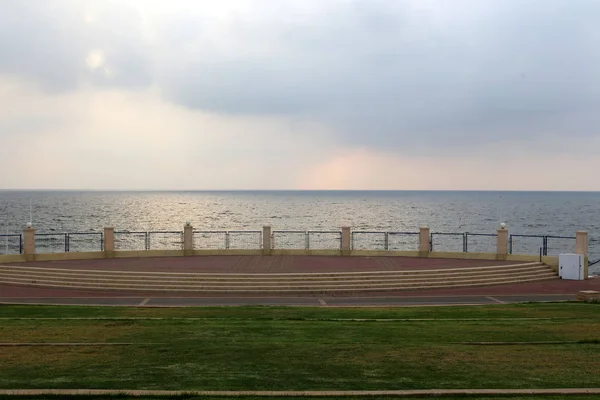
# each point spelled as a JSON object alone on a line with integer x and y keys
{"x": 524, "y": 213}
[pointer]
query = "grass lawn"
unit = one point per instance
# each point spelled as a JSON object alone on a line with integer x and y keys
{"x": 527, "y": 397}
{"x": 303, "y": 348}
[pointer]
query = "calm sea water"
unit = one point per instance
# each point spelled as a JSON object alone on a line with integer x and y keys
{"x": 537, "y": 213}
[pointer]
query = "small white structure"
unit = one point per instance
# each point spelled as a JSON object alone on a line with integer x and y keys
{"x": 571, "y": 266}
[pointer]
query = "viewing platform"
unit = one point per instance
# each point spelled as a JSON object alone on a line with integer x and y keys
{"x": 281, "y": 276}
{"x": 268, "y": 262}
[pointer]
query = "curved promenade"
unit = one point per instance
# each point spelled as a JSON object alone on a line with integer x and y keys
{"x": 548, "y": 289}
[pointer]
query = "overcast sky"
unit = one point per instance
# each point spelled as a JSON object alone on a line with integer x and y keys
{"x": 307, "y": 94}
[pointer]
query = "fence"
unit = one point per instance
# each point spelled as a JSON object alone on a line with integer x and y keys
{"x": 85, "y": 241}
{"x": 550, "y": 245}
{"x": 225, "y": 240}
{"x": 307, "y": 240}
{"x": 447, "y": 241}
{"x": 290, "y": 240}
{"x": 165, "y": 240}
{"x": 389, "y": 241}
{"x": 547, "y": 245}
{"x": 125, "y": 240}
{"x": 11, "y": 244}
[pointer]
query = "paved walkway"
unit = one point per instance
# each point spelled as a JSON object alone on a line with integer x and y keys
{"x": 552, "y": 290}
{"x": 381, "y": 301}
{"x": 292, "y": 393}
{"x": 266, "y": 264}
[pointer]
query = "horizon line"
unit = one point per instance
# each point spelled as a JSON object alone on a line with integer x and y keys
{"x": 301, "y": 190}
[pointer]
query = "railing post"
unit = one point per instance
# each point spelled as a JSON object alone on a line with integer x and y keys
{"x": 582, "y": 247}
{"x": 109, "y": 242}
{"x": 424, "y": 244}
{"x": 346, "y": 247}
{"x": 581, "y": 243}
{"x": 502, "y": 243}
{"x": 29, "y": 243}
{"x": 188, "y": 239}
{"x": 266, "y": 240}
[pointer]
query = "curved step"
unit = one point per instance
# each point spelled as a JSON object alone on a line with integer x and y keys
{"x": 274, "y": 275}
{"x": 292, "y": 289}
{"x": 224, "y": 282}
{"x": 257, "y": 286}
{"x": 317, "y": 282}
{"x": 67, "y": 276}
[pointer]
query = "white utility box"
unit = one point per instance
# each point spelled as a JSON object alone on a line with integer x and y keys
{"x": 571, "y": 266}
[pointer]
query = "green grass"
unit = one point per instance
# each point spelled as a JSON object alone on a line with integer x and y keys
{"x": 303, "y": 348}
{"x": 526, "y": 397}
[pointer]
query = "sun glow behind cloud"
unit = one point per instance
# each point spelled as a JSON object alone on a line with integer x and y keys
{"x": 300, "y": 94}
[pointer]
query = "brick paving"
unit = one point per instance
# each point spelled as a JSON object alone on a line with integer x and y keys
{"x": 273, "y": 264}
{"x": 266, "y": 264}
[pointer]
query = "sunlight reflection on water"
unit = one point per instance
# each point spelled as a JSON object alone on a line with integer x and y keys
{"x": 552, "y": 213}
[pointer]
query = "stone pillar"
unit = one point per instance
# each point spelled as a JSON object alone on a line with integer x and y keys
{"x": 188, "y": 239}
{"x": 581, "y": 247}
{"x": 109, "y": 242}
{"x": 346, "y": 240}
{"x": 424, "y": 237}
{"x": 266, "y": 240}
{"x": 581, "y": 243}
{"x": 502, "y": 243}
{"x": 29, "y": 243}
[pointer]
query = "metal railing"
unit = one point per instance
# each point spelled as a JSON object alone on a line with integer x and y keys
{"x": 11, "y": 243}
{"x": 51, "y": 243}
{"x": 165, "y": 240}
{"x": 291, "y": 239}
{"x": 556, "y": 245}
{"x": 447, "y": 241}
{"x": 481, "y": 242}
{"x": 549, "y": 244}
{"x": 325, "y": 240}
{"x": 85, "y": 241}
{"x": 463, "y": 242}
{"x": 240, "y": 240}
{"x": 371, "y": 240}
{"x": 210, "y": 240}
{"x": 244, "y": 240}
{"x": 125, "y": 240}
{"x": 307, "y": 240}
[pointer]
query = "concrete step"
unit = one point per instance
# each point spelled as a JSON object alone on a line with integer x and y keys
{"x": 288, "y": 289}
{"x": 271, "y": 276}
{"x": 280, "y": 285}
{"x": 222, "y": 281}
{"x": 320, "y": 282}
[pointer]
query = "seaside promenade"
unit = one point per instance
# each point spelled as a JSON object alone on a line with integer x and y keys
{"x": 547, "y": 290}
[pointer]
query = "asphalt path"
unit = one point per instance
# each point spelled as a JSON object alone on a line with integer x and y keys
{"x": 383, "y": 301}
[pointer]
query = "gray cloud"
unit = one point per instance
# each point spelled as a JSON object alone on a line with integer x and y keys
{"x": 48, "y": 42}
{"x": 388, "y": 76}
{"x": 418, "y": 76}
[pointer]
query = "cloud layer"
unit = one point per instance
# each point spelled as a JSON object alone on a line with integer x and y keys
{"x": 283, "y": 90}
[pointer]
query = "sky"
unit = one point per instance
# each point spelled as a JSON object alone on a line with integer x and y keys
{"x": 307, "y": 94}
